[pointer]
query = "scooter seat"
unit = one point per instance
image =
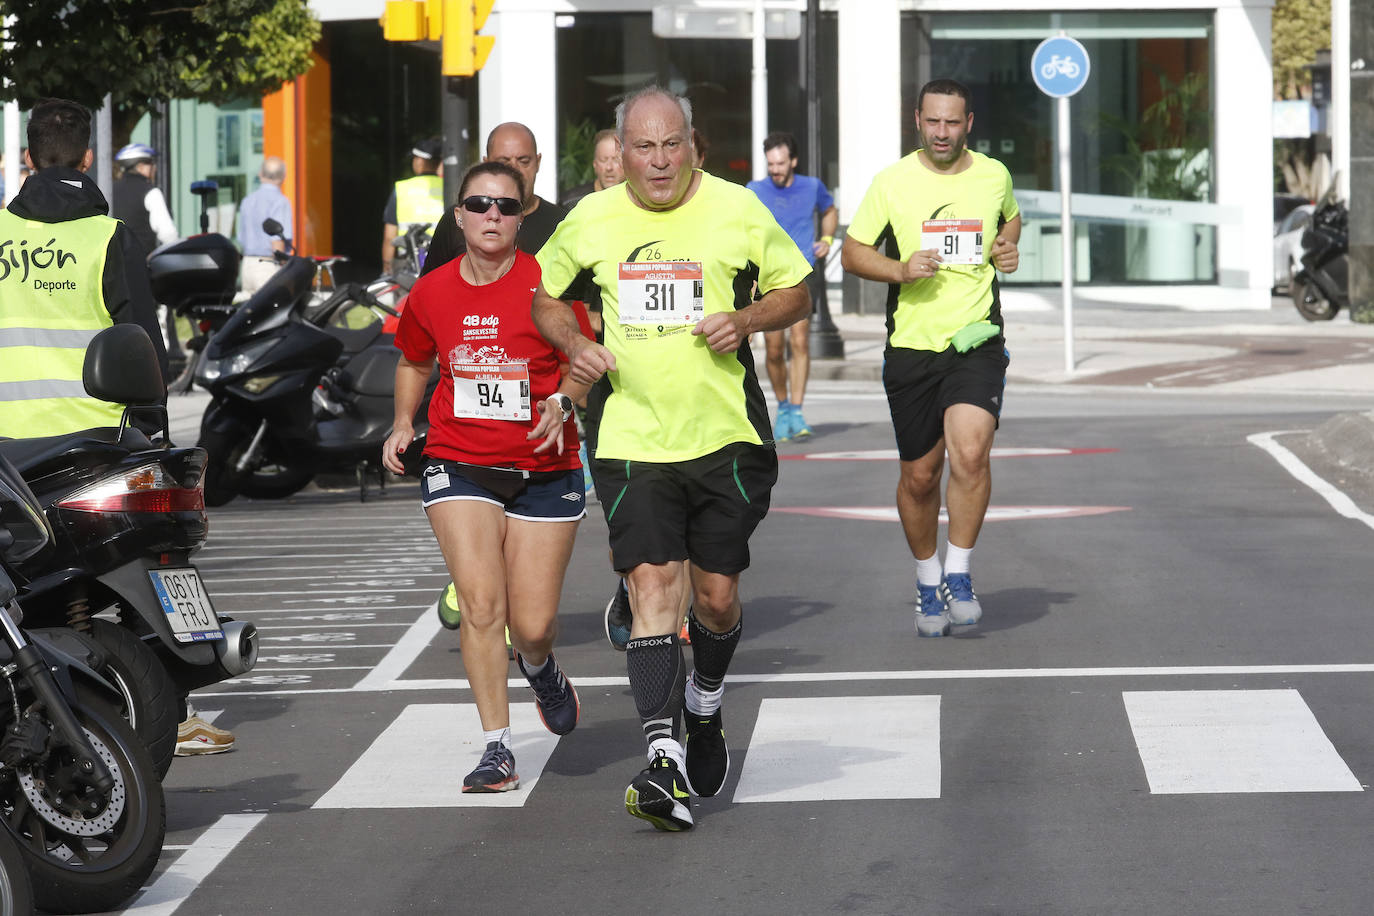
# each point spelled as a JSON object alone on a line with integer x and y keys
{"x": 26, "y": 454}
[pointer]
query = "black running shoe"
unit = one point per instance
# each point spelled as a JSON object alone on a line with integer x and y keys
{"x": 659, "y": 795}
{"x": 554, "y": 696}
{"x": 495, "y": 771}
{"x": 618, "y": 618}
{"x": 708, "y": 757}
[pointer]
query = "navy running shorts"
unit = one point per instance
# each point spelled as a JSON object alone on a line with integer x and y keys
{"x": 922, "y": 384}
{"x": 703, "y": 510}
{"x": 534, "y": 496}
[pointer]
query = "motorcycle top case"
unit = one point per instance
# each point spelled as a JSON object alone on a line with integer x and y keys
{"x": 203, "y": 268}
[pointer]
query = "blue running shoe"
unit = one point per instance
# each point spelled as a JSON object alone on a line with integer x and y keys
{"x": 931, "y": 618}
{"x": 800, "y": 430}
{"x": 960, "y": 602}
{"x": 782, "y": 426}
{"x": 554, "y": 696}
{"x": 618, "y": 619}
{"x": 495, "y": 771}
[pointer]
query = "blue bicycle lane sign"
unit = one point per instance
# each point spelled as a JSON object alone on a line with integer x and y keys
{"x": 1060, "y": 66}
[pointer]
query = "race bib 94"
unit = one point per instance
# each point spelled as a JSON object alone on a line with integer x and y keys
{"x": 959, "y": 241}
{"x": 491, "y": 391}
{"x": 661, "y": 292}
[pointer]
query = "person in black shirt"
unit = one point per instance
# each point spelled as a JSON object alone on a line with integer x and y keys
{"x": 511, "y": 143}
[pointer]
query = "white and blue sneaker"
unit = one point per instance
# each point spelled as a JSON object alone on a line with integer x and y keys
{"x": 931, "y": 618}
{"x": 956, "y": 590}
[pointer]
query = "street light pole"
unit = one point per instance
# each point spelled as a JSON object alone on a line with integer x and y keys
{"x": 824, "y": 339}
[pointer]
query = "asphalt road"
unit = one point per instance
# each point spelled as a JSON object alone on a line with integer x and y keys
{"x": 1165, "y": 709}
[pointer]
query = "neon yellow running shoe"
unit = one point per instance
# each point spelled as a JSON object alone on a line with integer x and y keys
{"x": 451, "y": 616}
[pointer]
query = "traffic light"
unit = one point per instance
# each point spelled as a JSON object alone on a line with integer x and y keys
{"x": 404, "y": 20}
{"x": 464, "y": 51}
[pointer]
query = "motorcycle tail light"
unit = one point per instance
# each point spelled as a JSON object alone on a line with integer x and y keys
{"x": 205, "y": 325}
{"x": 147, "y": 488}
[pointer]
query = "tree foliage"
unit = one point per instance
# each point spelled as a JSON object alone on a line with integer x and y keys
{"x": 1301, "y": 29}
{"x": 141, "y": 51}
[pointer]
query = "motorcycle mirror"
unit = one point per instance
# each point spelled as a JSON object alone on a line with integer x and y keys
{"x": 121, "y": 366}
{"x": 271, "y": 227}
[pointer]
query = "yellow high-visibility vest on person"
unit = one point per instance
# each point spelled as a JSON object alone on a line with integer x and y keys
{"x": 420, "y": 200}
{"x": 52, "y": 303}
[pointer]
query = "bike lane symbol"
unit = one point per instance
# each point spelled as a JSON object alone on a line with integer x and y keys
{"x": 1060, "y": 66}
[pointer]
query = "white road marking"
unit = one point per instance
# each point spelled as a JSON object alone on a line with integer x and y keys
{"x": 828, "y": 748}
{"x": 1205, "y": 741}
{"x": 193, "y": 866}
{"x": 1343, "y": 504}
{"x": 406, "y": 650}
{"x": 378, "y": 556}
{"x": 391, "y": 774}
{"x": 891, "y": 454}
{"x": 994, "y": 513}
{"x": 328, "y": 591}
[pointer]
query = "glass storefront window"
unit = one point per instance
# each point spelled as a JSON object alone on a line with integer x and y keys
{"x": 1142, "y": 128}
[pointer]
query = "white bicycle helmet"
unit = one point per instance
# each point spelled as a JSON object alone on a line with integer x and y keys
{"x": 135, "y": 152}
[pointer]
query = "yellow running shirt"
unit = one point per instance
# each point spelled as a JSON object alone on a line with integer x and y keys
{"x": 959, "y": 215}
{"x": 670, "y": 397}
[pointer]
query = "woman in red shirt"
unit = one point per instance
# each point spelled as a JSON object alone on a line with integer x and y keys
{"x": 495, "y": 499}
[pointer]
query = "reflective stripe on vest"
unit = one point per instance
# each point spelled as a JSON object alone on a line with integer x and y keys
{"x": 420, "y": 200}
{"x": 52, "y": 303}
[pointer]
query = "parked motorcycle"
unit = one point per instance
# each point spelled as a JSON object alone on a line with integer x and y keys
{"x": 1321, "y": 288}
{"x": 298, "y": 390}
{"x": 78, "y": 795}
{"x": 196, "y": 279}
{"x": 127, "y": 516}
{"x": 16, "y": 890}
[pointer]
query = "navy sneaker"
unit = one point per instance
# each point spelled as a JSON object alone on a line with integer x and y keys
{"x": 618, "y": 618}
{"x": 659, "y": 795}
{"x": 554, "y": 696}
{"x": 708, "y": 757}
{"x": 931, "y": 618}
{"x": 495, "y": 771}
{"x": 960, "y": 602}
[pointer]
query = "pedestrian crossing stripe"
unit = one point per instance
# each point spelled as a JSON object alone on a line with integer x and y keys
{"x": 885, "y": 747}
{"x": 891, "y": 454}
{"x": 994, "y": 513}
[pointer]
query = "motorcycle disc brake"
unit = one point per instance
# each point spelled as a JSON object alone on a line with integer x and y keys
{"x": 40, "y": 796}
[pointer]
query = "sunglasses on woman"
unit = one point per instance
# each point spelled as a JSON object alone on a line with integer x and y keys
{"x": 481, "y": 203}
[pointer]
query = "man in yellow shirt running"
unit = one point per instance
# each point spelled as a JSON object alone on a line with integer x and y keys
{"x": 934, "y": 226}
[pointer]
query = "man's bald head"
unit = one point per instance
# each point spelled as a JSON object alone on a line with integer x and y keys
{"x": 513, "y": 143}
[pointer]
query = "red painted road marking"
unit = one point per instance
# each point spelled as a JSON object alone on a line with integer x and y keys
{"x": 995, "y": 513}
{"x": 890, "y": 454}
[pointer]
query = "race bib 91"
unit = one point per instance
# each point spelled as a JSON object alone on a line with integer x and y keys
{"x": 491, "y": 391}
{"x": 959, "y": 241}
{"x": 661, "y": 292}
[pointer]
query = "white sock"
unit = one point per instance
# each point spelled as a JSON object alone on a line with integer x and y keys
{"x": 671, "y": 748}
{"x": 957, "y": 558}
{"x": 928, "y": 570}
{"x": 499, "y": 735}
{"x": 532, "y": 670}
{"x": 700, "y": 702}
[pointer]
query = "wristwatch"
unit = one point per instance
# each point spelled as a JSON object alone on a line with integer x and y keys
{"x": 564, "y": 403}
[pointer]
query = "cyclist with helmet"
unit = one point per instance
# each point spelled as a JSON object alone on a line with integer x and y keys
{"x": 138, "y": 201}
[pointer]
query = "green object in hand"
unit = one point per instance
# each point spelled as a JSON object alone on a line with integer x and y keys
{"x": 975, "y": 335}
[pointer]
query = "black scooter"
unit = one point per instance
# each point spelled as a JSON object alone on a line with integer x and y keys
{"x": 78, "y": 795}
{"x": 127, "y": 515}
{"x": 196, "y": 279}
{"x": 298, "y": 390}
{"x": 1320, "y": 289}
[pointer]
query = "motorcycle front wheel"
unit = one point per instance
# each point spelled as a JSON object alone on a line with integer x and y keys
{"x": 86, "y": 851}
{"x": 273, "y": 478}
{"x": 1310, "y": 302}
{"x": 16, "y": 891}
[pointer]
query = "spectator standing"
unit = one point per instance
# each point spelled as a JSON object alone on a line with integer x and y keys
{"x": 417, "y": 199}
{"x": 266, "y": 202}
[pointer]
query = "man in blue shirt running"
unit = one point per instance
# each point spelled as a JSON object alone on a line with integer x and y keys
{"x": 794, "y": 201}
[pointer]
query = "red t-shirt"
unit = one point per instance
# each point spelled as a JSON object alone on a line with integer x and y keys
{"x": 494, "y": 365}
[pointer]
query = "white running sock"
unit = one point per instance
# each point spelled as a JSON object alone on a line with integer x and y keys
{"x": 501, "y": 735}
{"x": 701, "y": 702}
{"x": 671, "y": 748}
{"x": 957, "y": 558}
{"x": 531, "y": 670}
{"x": 928, "y": 571}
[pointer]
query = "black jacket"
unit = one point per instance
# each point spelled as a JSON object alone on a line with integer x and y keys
{"x": 129, "y": 208}
{"x": 59, "y": 195}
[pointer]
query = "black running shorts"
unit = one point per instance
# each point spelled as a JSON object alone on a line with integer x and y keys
{"x": 922, "y": 384}
{"x": 703, "y": 510}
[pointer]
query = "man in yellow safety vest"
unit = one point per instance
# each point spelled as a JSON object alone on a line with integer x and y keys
{"x": 418, "y": 199}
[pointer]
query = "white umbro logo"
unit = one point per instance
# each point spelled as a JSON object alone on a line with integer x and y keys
{"x": 572, "y": 497}
{"x": 995, "y": 399}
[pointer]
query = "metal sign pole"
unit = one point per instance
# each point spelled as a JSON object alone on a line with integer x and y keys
{"x": 759, "y": 108}
{"x": 1065, "y": 228}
